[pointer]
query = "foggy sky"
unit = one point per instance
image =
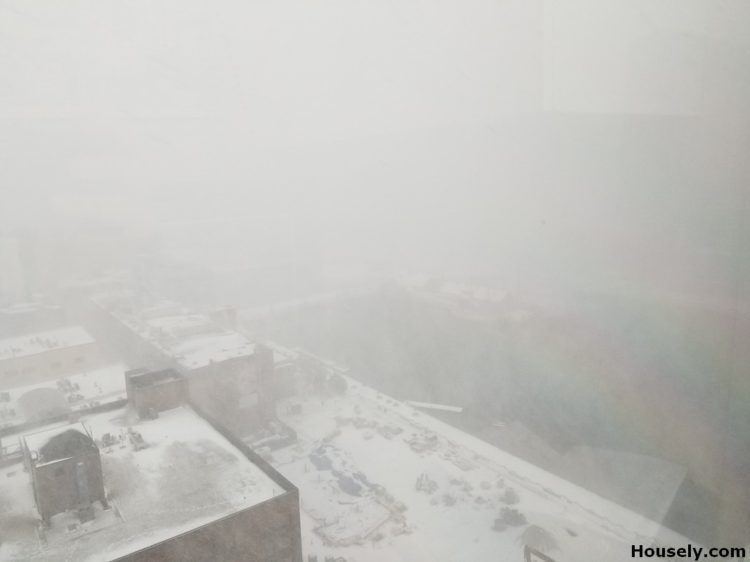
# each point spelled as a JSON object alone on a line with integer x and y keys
{"x": 592, "y": 142}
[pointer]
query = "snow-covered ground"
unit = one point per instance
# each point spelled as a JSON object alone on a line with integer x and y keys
{"x": 362, "y": 456}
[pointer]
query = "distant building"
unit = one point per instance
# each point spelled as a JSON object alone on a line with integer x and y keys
{"x": 227, "y": 375}
{"x": 46, "y": 356}
{"x": 54, "y": 400}
{"x": 173, "y": 486}
{"x": 29, "y": 317}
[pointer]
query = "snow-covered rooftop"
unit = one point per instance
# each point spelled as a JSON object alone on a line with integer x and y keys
{"x": 80, "y": 391}
{"x": 40, "y": 342}
{"x": 380, "y": 480}
{"x": 187, "y": 475}
{"x": 191, "y": 339}
{"x": 438, "y": 407}
{"x": 199, "y": 351}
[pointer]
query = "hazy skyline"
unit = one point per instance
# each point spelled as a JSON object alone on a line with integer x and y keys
{"x": 438, "y": 137}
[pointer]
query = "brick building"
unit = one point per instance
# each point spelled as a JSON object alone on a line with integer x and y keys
{"x": 169, "y": 488}
{"x": 228, "y": 376}
{"x": 46, "y": 356}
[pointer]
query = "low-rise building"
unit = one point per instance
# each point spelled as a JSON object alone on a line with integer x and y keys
{"x": 29, "y": 317}
{"x": 52, "y": 400}
{"x": 171, "y": 487}
{"x": 227, "y": 375}
{"x": 46, "y": 356}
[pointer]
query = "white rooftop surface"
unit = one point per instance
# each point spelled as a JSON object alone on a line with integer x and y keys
{"x": 191, "y": 339}
{"x": 188, "y": 475}
{"x": 384, "y": 447}
{"x": 40, "y": 342}
{"x": 199, "y": 351}
{"x": 89, "y": 388}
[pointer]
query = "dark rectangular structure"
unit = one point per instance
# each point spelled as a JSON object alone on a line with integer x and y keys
{"x": 151, "y": 392}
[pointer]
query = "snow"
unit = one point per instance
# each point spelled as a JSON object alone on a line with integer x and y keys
{"x": 188, "y": 475}
{"x": 200, "y": 351}
{"x": 440, "y": 407}
{"x": 31, "y": 344}
{"x": 88, "y": 388}
{"x": 37, "y": 440}
{"x": 193, "y": 340}
{"x": 387, "y": 446}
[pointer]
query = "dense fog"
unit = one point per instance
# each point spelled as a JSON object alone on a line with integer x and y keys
{"x": 525, "y": 221}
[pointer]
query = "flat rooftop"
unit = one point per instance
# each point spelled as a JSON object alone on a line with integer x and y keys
{"x": 80, "y": 391}
{"x": 193, "y": 340}
{"x": 199, "y": 351}
{"x": 40, "y": 342}
{"x": 380, "y": 480}
{"x": 188, "y": 475}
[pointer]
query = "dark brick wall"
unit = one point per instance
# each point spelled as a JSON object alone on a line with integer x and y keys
{"x": 158, "y": 397}
{"x": 267, "y": 532}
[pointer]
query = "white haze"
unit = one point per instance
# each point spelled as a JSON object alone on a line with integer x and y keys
{"x": 437, "y": 135}
{"x": 563, "y": 151}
